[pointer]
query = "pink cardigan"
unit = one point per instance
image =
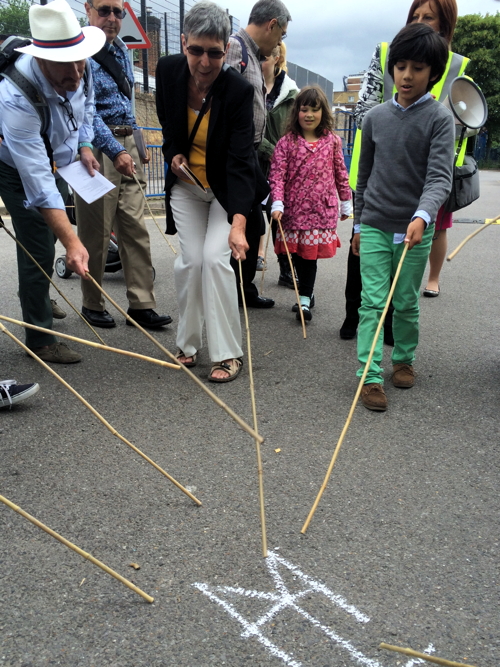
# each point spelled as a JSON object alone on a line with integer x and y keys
{"x": 307, "y": 181}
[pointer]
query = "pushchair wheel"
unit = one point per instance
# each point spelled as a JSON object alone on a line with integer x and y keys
{"x": 61, "y": 268}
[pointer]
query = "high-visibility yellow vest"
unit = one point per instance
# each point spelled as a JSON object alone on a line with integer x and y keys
{"x": 455, "y": 67}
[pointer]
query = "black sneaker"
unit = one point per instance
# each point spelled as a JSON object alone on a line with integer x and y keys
{"x": 295, "y": 308}
{"x": 148, "y": 318}
{"x": 12, "y": 393}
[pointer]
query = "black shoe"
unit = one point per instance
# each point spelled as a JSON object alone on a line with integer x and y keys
{"x": 295, "y": 308}
{"x": 258, "y": 302}
{"x": 98, "y": 318}
{"x": 147, "y": 318}
{"x": 307, "y": 314}
{"x": 348, "y": 329}
{"x": 388, "y": 337}
{"x": 286, "y": 280}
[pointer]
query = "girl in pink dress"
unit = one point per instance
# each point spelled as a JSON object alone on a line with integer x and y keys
{"x": 307, "y": 178}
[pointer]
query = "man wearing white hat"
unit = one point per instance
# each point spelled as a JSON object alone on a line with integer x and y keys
{"x": 35, "y": 198}
{"x": 122, "y": 209}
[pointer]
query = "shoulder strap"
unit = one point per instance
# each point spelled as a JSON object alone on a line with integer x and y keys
{"x": 244, "y": 53}
{"x": 30, "y": 92}
{"x": 202, "y": 112}
{"x": 110, "y": 65}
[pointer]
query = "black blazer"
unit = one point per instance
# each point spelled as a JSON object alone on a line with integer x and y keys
{"x": 232, "y": 170}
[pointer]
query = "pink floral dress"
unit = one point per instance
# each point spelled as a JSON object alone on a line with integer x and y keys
{"x": 309, "y": 178}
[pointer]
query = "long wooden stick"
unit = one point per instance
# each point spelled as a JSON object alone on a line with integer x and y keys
{"x": 98, "y": 415}
{"x": 153, "y": 216}
{"x": 134, "y": 355}
{"x": 292, "y": 269}
{"x": 79, "y": 551}
{"x": 461, "y": 245}
{"x": 169, "y": 354}
{"x": 423, "y": 656}
{"x": 264, "y": 269}
{"x": 2, "y": 224}
{"x": 358, "y": 392}
{"x": 254, "y": 415}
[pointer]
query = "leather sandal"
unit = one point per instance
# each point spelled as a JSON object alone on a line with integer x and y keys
{"x": 188, "y": 364}
{"x": 233, "y": 367}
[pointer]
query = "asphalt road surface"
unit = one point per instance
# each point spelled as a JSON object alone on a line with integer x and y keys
{"x": 403, "y": 548}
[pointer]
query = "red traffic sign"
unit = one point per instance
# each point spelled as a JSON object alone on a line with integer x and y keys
{"x": 132, "y": 31}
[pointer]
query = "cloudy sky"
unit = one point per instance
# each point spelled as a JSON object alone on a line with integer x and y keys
{"x": 338, "y": 37}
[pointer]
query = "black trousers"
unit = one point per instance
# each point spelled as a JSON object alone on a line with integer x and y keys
{"x": 254, "y": 229}
{"x": 306, "y": 273}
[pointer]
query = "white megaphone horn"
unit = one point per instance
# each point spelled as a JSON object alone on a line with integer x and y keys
{"x": 467, "y": 103}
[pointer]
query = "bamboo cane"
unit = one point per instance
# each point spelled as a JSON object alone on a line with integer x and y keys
{"x": 423, "y": 656}
{"x": 169, "y": 354}
{"x": 90, "y": 343}
{"x": 79, "y": 551}
{"x": 2, "y": 224}
{"x": 254, "y": 415}
{"x": 264, "y": 269}
{"x": 294, "y": 281}
{"x": 461, "y": 245}
{"x": 358, "y": 392}
{"x": 153, "y": 216}
{"x": 98, "y": 415}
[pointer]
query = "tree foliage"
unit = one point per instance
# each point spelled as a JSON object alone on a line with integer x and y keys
{"x": 14, "y": 18}
{"x": 478, "y": 38}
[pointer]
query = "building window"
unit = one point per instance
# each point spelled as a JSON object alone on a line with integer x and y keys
{"x": 350, "y": 98}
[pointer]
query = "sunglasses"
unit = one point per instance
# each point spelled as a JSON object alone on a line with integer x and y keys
{"x": 68, "y": 112}
{"x": 105, "y": 11}
{"x": 198, "y": 51}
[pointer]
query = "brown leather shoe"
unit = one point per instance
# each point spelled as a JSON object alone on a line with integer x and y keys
{"x": 403, "y": 376}
{"x": 373, "y": 397}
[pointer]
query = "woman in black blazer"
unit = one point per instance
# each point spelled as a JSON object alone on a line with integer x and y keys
{"x": 210, "y": 225}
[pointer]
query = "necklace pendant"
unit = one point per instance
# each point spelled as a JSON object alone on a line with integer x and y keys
{"x": 203, "y": 100}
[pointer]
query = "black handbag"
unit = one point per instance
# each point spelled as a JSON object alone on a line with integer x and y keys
{"x": 465, "y": 186}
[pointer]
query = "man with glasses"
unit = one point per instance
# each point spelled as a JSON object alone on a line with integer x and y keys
{"x": 266, "y": 28}
{"x": 31, "y": 191}
{"x": 122, "y": 209}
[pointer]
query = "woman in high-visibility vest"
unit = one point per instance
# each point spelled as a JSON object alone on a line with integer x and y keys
{"x": 377, "y": 87}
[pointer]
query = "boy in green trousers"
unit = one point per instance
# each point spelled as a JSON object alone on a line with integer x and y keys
{"x": 405, "y": 175}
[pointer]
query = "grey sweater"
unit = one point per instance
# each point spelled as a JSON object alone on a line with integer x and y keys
{"x": 406, "y": 164}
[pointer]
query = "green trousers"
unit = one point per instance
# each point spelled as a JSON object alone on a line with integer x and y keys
{"x": 32, "y": 231}
{"x": 379, "y": 260}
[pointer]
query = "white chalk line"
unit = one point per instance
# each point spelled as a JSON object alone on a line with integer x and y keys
{"x": 284, "y": 600}
{"x": 250, "y": 628}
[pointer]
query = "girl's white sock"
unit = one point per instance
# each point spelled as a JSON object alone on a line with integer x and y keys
{"x": 305, "y": 301}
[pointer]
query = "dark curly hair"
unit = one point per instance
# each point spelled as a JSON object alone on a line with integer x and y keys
{"x": 311, "y": 96}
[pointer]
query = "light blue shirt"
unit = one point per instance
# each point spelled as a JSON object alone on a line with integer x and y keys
{"x": 399, "y": 238}
{"x": 23, "y": 147}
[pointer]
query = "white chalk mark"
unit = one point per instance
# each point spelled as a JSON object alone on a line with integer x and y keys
{"x": 250, "y": 628}
{"x": 284, "y": 599}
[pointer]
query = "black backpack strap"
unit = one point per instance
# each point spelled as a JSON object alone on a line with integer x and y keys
{"x": 110, "y": 65}
{"x": 244, "y": 53}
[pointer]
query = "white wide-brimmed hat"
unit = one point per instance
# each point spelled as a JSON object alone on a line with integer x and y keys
{"x": 57, "y": 35}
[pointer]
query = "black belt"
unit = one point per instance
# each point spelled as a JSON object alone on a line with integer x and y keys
{"x": 120, "y": 130}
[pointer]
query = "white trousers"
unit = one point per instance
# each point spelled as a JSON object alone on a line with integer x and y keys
{"x": 204, "y": 279}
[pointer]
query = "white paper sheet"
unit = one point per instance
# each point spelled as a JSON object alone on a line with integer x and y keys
{"x": 88, "y": 187}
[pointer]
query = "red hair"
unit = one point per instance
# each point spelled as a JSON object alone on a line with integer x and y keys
{"x": 447, "y": 12}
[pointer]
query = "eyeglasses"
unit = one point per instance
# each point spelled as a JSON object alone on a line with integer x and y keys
{"x": 105, "y": 11}
{"x": 284, "y": 34}
{"x": 198, "y": 51}
{"x": 68, "y": 111}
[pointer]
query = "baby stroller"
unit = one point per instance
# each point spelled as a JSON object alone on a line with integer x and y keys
{"x": 112, "y": 265}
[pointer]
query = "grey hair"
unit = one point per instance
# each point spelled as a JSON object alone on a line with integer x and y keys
{"x": 206, "y": 19}
{"x": 266, "y": 10}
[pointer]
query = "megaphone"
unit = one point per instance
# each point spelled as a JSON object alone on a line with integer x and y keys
{"x": 467, "y": 103}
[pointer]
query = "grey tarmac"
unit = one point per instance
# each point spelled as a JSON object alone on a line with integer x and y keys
{"x": 404, "y": 546}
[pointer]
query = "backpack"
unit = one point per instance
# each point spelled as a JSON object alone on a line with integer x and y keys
{"x": 244, "y": 53}
{"x": 9, "y": 71}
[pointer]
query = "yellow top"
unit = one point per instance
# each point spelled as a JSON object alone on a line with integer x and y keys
{"x": 198, "y": 154}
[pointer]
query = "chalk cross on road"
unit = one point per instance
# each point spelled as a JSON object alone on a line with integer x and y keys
{"x": 283, "y": 599}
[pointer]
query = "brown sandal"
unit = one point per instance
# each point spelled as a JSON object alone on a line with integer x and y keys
{"x": 232, "y": 367}
{"x": 188, "y": 364}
